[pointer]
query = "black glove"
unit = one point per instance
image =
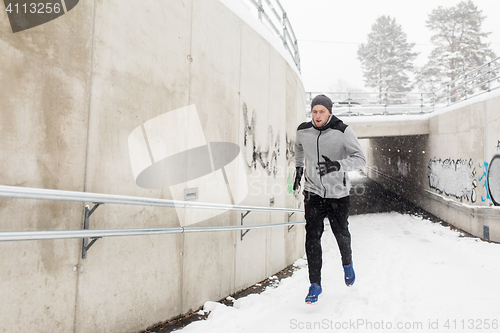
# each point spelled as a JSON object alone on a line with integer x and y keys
{"x": 328, "y": 166}
{"x": 298, "y": 175}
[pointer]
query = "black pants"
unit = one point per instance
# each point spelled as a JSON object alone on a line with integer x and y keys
{"x": 337, "y": 211}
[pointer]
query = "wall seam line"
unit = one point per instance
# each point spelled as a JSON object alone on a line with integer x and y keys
{"x": 190, "y": 59}
{"x": 235, "y": 233}
{"x": 89, "y": 103}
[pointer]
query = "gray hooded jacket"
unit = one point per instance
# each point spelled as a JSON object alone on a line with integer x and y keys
{"x": 336, "y": 141}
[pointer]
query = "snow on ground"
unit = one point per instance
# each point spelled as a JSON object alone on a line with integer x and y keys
{"x": 412, "y": 275}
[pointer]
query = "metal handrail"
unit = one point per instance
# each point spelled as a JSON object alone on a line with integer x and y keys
{"x": 273, "y": 10}
{"x": 280, "y": 25}
{"x": 16, "y": 192}
{"x": 488, "y": 64}
{"x": 454, "y": 91}
{"x": 373, "y": 103}
{"x": 96, "y": 233}
{"x": 59, "y": 195}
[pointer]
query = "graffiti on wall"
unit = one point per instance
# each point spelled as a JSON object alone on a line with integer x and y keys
{"x": 289, "y": 183}
{"x": 290, "y": 158}
{"x": 290, "y": 150}
{"x": 453, "y": 178}
{"x": 255, "y": 155}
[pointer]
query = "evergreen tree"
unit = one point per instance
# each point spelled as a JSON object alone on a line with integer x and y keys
{"x": 458, "y": 44}
{"x": 386, "y": 59}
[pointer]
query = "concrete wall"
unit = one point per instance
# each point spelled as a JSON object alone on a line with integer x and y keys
{"x": 451, "y": 172}
{"x": 93, "y": 101}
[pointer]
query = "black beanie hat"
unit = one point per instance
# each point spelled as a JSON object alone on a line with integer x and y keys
{"x": 322, "y": 100}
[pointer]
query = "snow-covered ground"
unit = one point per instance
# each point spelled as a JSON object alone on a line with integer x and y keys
{"x": 412, "y": 275}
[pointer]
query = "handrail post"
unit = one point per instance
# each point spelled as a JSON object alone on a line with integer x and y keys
{"x": 489, "y": 76}
{"x": 297, "y": 57}
{"x": 349, "y": 102}
{"x": 284, "y": 30}
{"x": 421, "y": 102}
{"x": 465, "y": 86}
{"x": 385, "y": 102}
{"x": 448, "y": 94}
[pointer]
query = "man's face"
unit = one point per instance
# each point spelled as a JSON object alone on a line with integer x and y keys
{"x": 320, "y": 115}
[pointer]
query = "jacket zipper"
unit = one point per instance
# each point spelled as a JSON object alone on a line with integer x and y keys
{"x": 320, "y": 177}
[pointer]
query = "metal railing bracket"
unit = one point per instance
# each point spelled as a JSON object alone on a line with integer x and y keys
{"x": 244, "y": 232}
{"x": 85, "y": 244}
{"x": 290, "y": 226}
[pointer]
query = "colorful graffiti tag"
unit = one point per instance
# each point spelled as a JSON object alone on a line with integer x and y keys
{"x": 289, "y": 183}
{"x": 484, "y": 179}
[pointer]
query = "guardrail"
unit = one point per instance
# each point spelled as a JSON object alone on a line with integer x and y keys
{"x": 480, "y": 80}
{"x": 99, "y": 199}
{"x": 378, "y": 103}
{"x": 276, "y": 18}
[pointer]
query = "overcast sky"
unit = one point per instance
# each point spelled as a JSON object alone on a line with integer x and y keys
{"x": 329, "y": 32}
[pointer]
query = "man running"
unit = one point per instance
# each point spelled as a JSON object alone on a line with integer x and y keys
{"x": 326, "y": 149}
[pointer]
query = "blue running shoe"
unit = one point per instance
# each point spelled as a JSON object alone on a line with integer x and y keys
{"x": 314, "y": 291}
{"x": 349, "y": 275}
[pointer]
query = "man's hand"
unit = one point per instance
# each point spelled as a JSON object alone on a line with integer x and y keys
{"x": 298, "y": 175}
{"x": 327, "y": 166}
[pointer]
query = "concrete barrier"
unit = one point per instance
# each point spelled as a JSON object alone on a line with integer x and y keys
{"x": 79, "y": 98}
